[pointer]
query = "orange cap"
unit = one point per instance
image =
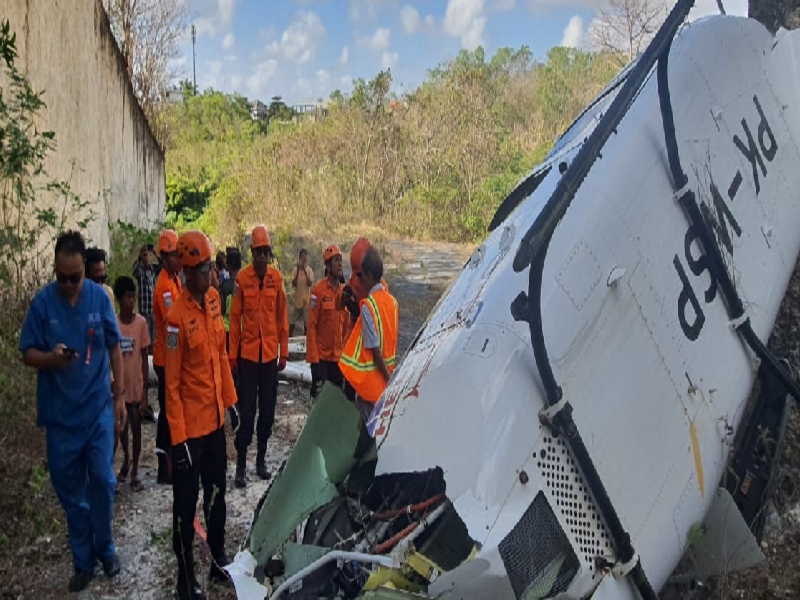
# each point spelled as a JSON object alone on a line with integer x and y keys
{"x": 357, "y": 253}
{"x": 193, "y": 249}
{"x": 167, "y": 241}
{"x": 330, "y": 252}
{"x": 260, "y": 237}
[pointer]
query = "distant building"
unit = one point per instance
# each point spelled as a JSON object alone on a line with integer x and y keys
{"x": 258, "y": 111}
{"x": 175, "y": 96}
{"x": 315, "y": 111}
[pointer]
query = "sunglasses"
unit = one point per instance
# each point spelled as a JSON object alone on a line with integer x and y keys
{"x": 260, "y": 252}
{"x": 68, "y": 279}
{"x": 204, "y": 269}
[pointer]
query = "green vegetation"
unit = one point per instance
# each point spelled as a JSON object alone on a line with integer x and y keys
{"x": 433, "y": 163}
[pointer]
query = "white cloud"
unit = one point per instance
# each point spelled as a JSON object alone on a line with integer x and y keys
{"x": 389, "y": 60}
{"x": 180, "y": 62}
{"x": 215, "y": 67}
{"x": 430, "y": 21}
{"x": 573, "y": 33}
{"x": 410, "y": 19}
{"x": 230, "y": 57}
{"x": 504, "y": 5}
{"x": 204, "y": 26}
{"x": 346, "y": 82}
{"x": 236, "y": 82}
{"x": 228, "y": 41}
{"x": 299, "y": 41}
{"x": 273, "y": 47}
{"x": 226, "y": 10}
{"x": 345, "y": 55}
{"x": 323, "y": 76}
{"x": 379, "y": 41}
{"x": 263, "y": 72}
{"x": 464, "y": 19}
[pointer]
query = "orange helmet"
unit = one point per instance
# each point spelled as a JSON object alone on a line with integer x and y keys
{"x": 260, "y": 237}
{"x": 193, "y": 249}
{"x": 330, "y": 252}
{"x": 357, "y": 253}
{"x": 167, "y": 241}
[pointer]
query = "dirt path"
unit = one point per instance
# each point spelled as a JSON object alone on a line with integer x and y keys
{"x": 417, "y": 274}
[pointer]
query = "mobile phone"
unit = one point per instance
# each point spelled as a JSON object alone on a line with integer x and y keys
{"x": 70, "y": 352}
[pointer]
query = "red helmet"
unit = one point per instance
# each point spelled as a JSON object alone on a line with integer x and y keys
{"x": 357, "y": 253}
{"x": 193, "y": 249}
{"x": 167, "y": 241}
{"x": 330, "y": 252}
{"x": 260, "y": 238}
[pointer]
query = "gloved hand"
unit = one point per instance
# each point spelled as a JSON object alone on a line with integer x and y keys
{"x": 281, "y": 363}
{"x": 182, "y": 457}
{"x": 235, "y": 420}
{"x": 234, "y": 365}
{"x": 349, "y": 301}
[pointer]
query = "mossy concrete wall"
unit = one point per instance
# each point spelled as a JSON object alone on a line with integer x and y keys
{"x": 105, "y": 147}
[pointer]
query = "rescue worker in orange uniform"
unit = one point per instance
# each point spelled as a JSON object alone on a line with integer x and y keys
{"x": 368, "y": 357}
{"x": 326, "y": 322}
{"x": 166, "y": 292}
{"x": 259, "y": 347}
{"x": 354, "y": 292}
{"x": 199, "y": 389}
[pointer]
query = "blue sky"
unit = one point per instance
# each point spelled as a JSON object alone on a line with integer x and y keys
{"x": 304, "y": 49}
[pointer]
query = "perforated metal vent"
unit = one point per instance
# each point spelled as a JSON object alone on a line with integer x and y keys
{"x": 565, "y": 482}
{"x": 537, "y": 555}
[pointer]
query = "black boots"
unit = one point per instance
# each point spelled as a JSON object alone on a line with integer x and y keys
{"x": 217, "y": 574}
{"x": 240, "y": 479}
{"x": 187, "y": 587}
{"x": 261, "y": 464}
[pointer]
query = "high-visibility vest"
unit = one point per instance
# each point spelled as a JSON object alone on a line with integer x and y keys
{"x": 357, "y": 363}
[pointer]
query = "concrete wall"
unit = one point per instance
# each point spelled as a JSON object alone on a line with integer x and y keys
{"x": 66, "y": 49}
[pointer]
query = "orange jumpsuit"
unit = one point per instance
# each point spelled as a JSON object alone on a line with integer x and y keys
{"x": 165, "y": 294}
{"x": 199, "y": 389}
{"x": 259, "y": 334}
{"x": 327, "y": 320}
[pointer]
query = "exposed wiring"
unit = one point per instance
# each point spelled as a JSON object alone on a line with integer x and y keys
{"x": 359, "y": 557}
{"x": 411, "y": 508}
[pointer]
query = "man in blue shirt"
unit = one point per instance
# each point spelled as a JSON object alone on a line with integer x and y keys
{"x": 70, "y": 336}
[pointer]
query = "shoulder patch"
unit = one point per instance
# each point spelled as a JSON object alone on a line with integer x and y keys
{"x": 168, "y": 299}
{"x": 313, "y": 300}
{"x": 172, "y": 336}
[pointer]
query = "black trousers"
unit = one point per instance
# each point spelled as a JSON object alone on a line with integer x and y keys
{"x": 163, "y": 440}
{"x": 209, "y": 466}
{"x": 258, "y": 388}
{"x": 325, "y": 370}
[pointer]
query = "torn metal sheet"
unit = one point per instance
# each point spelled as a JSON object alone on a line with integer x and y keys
{"x": 242, "y": 571}
{"x": 322, "y": 458}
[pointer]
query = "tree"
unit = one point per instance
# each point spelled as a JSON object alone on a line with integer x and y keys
{"x": 625, "y": 27}
{"x": 278, "y": 110}
{"x": 147, "y": 33}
